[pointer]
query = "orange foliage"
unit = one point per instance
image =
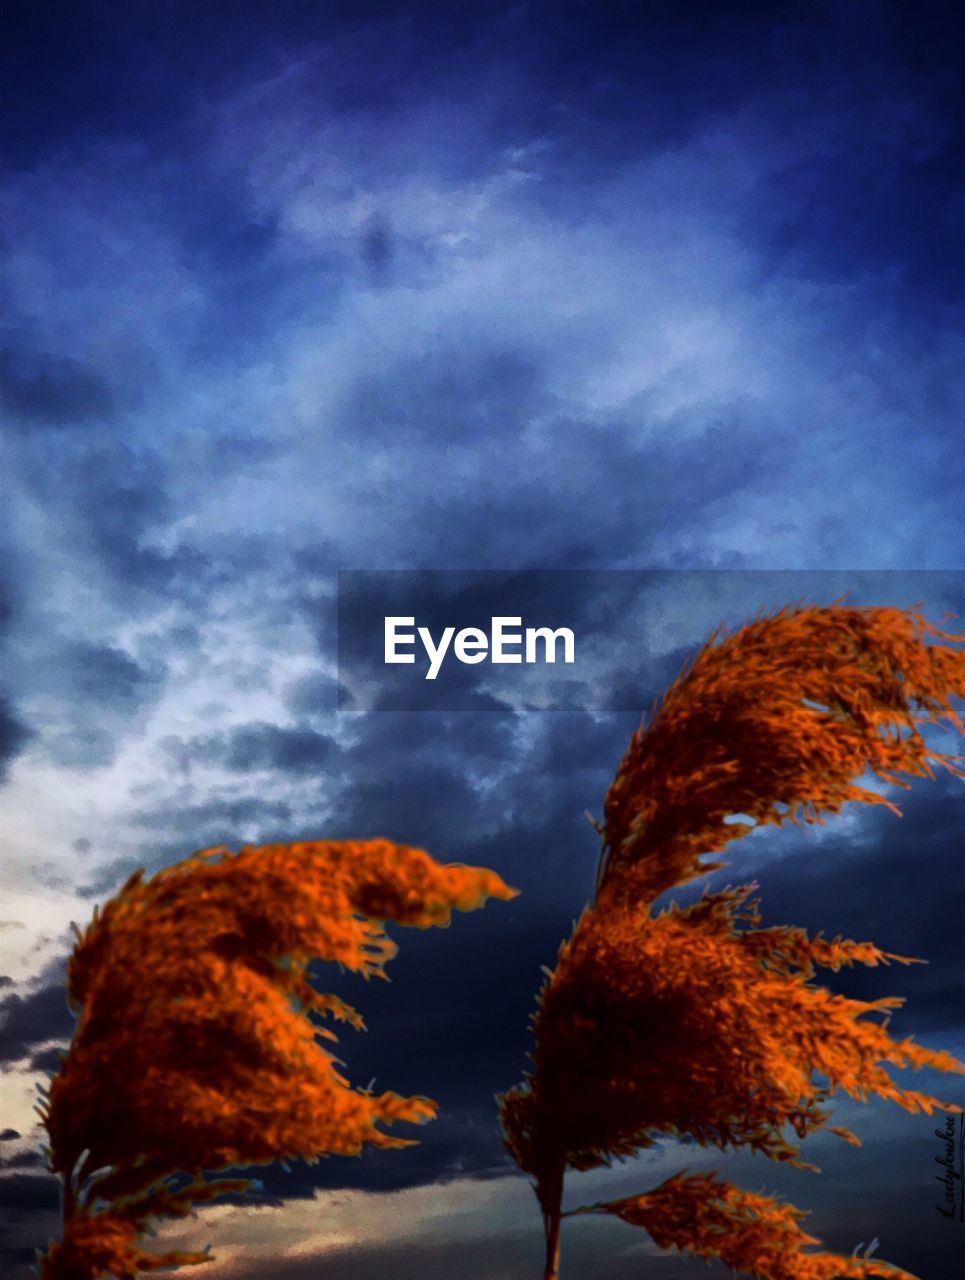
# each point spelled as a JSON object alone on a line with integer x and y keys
{"x": 695, "y": 1022}
{"x": 753, "y": 1234}
{"x": 776, "y": 721}
{"x": 194, "y": 1049}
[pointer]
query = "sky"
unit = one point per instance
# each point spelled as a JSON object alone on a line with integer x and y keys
{"x": 306, "y": 287}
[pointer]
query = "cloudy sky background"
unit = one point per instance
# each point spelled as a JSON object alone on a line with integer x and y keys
{"x": 298, "y": 288}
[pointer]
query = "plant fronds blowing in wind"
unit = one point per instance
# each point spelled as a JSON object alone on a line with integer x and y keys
{"x": 697, "y": 1022}
{"x": 194, "y": 1049}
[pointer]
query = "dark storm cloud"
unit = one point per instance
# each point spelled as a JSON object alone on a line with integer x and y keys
{"x": 219, "y": 820}
{"x": 121, "y": 497}
{"x": 28, "y": 1191}
{"x": 48, "y": 1060}
{"x": 49, "y": 390}
{"x": 14, "y": 736}
{"x": 421, "y": 805}
{"x": 258, "y": 746}
{"x": 108, "y": 676}
{"x": 15, "y": 733}
{"x": 459, "y": 1143}
{"x": 110, "y": 878}
{"x": 29, "y": 1205}
{"x": 378, "y": 249}
{"x": 115, "y": 497}
{"x": 518, "y": 807}
{"x": 899, "y": 886}
{"x": 484, "y": 406}
{"x": 25, "y": 1160}
{"x": 32, "y": 1020}
{"x": 312, "y": 695}
{"x": 106, "y": 689}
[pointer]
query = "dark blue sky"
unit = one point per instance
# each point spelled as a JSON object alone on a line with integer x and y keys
{"x": 299, "y": 287}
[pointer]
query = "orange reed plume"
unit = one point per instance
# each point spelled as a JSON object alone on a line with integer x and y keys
{"x": 194, "y": 1048}
{"x": 696, "y": 1022}
{"x": 751, "y": 1233}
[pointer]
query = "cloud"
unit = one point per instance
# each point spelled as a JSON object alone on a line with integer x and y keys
{"x": 251, "y": 747}
{"x": 14, "y": 735}
{"x": 25, "y": 1160}
{"x": 33, "y": 1020}
{"x": 28, "y": 1191}
{"x": 507, "y": 286}
{"x": 891, "y": 885}
{"x": 362, "y": 1233}
{"x": 109, "y": 676}
{"x": 52, "y": 391}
